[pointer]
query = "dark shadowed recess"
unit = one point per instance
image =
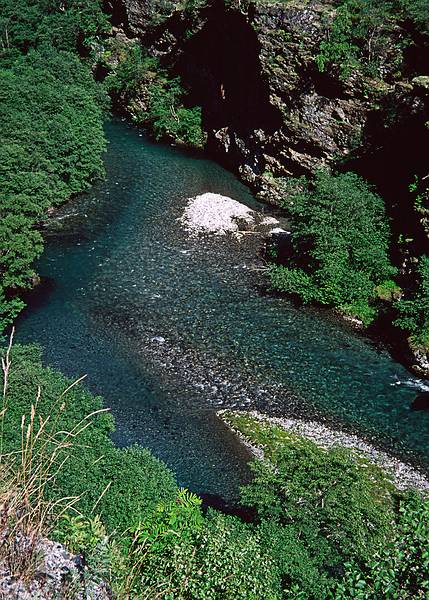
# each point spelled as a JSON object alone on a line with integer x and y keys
{"x": 399, "y": 151}
{"x": 222, "y": 67}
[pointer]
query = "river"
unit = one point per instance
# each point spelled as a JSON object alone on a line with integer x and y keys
{"x": 170, "y": 329}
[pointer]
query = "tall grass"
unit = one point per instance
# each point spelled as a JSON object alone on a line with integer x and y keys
{"x": 27, "y": 516}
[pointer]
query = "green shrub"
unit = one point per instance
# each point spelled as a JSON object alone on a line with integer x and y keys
{"x": 75, "y": 24}
{"x": 123, "y": 485}
{"x": 168, "y": 117}
{"x": 51, "y": 135}
{"x": 318, "y": 509}
{"x": 133, "y": 71}
{"x": 154, "y": 98}
{"x": 388, "y": 291}
{"x": 418, "y": 13}
{"x": 340, "y": 245}
{"x": 80, "y": 534}
{"x": 301, "y": 566}
{"x": 400, "y": 570}
{"x": 413, "y": 309}
{"x": 342, "y": 508}
{"x": 222, "y": 559}
{"x": 361, "y": 32}
{"x": 180, "y": 517}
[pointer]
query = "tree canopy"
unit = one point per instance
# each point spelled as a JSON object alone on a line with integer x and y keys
{"x": 51, "y": 135}
{"x": 340, "y": 244}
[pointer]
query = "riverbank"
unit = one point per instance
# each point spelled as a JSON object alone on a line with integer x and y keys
{"x": 186, "y": 327}
{"x": 403, "y": 475}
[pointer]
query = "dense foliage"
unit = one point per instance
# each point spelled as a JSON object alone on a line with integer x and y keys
{"x": 363, "y": 35}
{"x": 219, "y": 558}
{"x": 137, "y": 480}
{"x": 327, "y": 525}
{"x": 51, "y": 137}
{"x": 154, "y": 98}
{"x": 399, "y": 570}
{"x": 414, "y": 309}
{"x": 74, "y": 25}
{"x": 340, "y": 245}
{"x": 335, "y": 525}
{"x": 342, "y": 511}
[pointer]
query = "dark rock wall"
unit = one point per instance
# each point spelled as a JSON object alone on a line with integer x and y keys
{"x": 266, "y": 107}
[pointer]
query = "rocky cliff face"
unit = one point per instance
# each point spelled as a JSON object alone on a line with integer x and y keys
{"x": 267, "y": 108}
{"x": 56, "y": 574}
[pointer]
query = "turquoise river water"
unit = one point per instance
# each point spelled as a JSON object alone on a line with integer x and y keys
{"x": 170, "y": 329}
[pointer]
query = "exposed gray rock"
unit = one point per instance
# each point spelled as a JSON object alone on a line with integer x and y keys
{"x": 266, "y": 106}
{"x": 421, "y": 82}
{"x": 57, "y": 575}
{"x": 142, "y": 14}
{"x": 421, "y": 358}
{"x": 214, "y": 213}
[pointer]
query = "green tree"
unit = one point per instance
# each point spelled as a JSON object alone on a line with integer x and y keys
{"x": 413, "y": 309}
{"x": 340, "y": 245}
{"x": 400, "y": 570}
{"x": 221, "y": 558}
{"x": 51, "y": 143}
{"x": 333, "y": 504}
{"x": 154, "y": 98}
{"x": 70, "y": 25}
{"x": 361, "y": 31}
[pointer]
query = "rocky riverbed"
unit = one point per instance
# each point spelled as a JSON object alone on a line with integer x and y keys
{"x": 171, "y": 327}
{"x": 219, "y": 215}
{"x": 403, "y": 475}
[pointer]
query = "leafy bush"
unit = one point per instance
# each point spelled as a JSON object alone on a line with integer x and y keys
{"x": 73, "y": 25}
{"x": 400, "y": 570}
{"x": 414, "y": 309}
{"x": 222, "y": 558}
{"x": 168, "y": 118}
{"x": 341, "y": 47}
{"x": 181, "y": 516}
{"x": 51, "y": 145}
{"x": 418, "y": 13}
{"x": 318, "y": 508}
{"x": 324, "y": 513}
{"x": 51, "y": 138}
{"x": 341, "y": 508}
{"x": 123, "y": 485}
{"x": 80, "y": 534}
{"x": 154, "y": 98}
{"x": 358, "y": 37}
{"x": 300, "y": 565}
{"x": 340, "y": 245}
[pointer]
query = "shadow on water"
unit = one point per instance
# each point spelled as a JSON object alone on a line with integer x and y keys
{"x": 169, "y": 329}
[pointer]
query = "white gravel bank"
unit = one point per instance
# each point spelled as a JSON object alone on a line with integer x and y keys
{"x": 213, "y": 213}
{"x": 403, "y": 475}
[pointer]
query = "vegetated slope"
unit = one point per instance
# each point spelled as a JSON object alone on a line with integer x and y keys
{"x": 325, "y": 524}
{"x": 51, "y": 136}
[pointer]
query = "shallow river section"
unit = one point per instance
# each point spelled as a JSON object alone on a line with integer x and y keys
{"x": 169, "y": 328}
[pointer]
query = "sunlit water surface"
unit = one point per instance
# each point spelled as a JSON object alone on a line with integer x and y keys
{"x": 170, "y": 329}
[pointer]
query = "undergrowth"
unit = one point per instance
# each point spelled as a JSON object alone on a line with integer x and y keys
{"x": 325, "y": 525}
